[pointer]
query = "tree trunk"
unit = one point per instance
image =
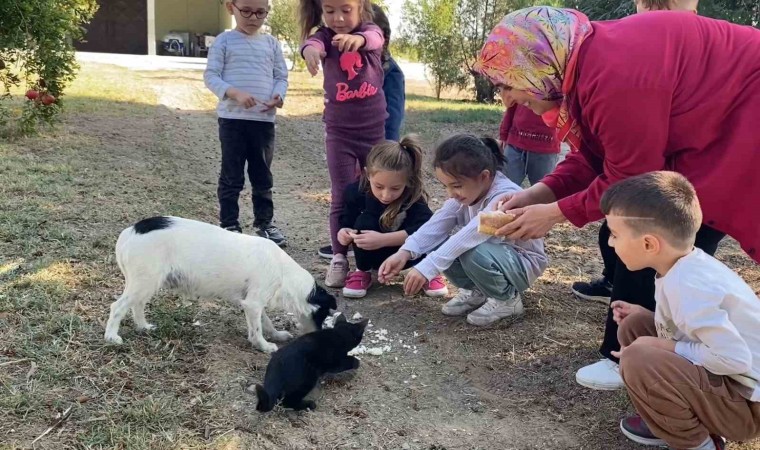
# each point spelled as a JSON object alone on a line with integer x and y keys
{"x": 484, "y": 90}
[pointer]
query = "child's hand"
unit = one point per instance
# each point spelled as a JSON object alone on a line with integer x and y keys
{"x": 313, "y": 57}
{"x": 348, "y": 42}
{"x": 369, "y": 240}
{"x": 345, "y": 236}
{"x": 392, "y": 266}
{"x": 275, "y": 102}
{"x": 243, "y": 98}
{"x": 621, "y": 310}
{"x": 618, "y": 354}
{"x": 413, "y": 282}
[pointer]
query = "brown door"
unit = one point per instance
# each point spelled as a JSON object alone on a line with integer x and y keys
{"x": 119, "y": 26}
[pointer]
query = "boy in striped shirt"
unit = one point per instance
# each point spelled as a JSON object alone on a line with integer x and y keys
{"x": 246, "y": 71}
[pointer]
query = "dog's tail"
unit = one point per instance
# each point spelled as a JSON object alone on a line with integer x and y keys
{"x": 266, "y": 402}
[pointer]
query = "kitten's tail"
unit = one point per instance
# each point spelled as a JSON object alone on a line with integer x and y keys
{"x": 266, "y": 402}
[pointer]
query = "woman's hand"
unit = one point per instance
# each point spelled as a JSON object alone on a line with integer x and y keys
{"x": 536, "y": 194}
{"x": 369, "y": 240}
{"x": 413, "y": 282}
{"x": 392, "y": 266}
{"x": 313, "y": 57}
{"x": 345, "y": 236}
{"x": 532, "y": 222}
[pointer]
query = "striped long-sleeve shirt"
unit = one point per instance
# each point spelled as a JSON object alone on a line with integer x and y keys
{"x": 453, "y": 215}
{"x": 253, "y": 64}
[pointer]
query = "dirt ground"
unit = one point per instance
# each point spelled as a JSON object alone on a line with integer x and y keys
{"x": 442, "y": 385}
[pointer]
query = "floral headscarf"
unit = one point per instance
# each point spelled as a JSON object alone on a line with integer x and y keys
{"x": 535, "y": 50}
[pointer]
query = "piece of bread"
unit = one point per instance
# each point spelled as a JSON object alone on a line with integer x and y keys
{"x": 492, "y": 221}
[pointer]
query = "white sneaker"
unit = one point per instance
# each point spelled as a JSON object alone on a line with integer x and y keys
{"x": 464, "y": 302}
{"x": 336, "y": 274}
{"x": 495, "y": 310}
{"x": 603, "y": 375}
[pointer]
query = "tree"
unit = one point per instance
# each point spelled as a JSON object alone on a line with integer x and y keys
{"x": 283, "y": 20}
{"x": 448, "y": 35}
{"x": 432, "y": 27}
{"x": 36, "y": 47}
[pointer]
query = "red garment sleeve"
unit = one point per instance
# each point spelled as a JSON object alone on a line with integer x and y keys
{"x": 506, "y": 123}
{"x": 631, "y": 128}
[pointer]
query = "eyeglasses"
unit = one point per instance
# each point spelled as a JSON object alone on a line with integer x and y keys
{"x": 247, "y": 13}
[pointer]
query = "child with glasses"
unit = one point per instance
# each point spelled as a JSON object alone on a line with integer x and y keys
{"x": 246, "y": 71}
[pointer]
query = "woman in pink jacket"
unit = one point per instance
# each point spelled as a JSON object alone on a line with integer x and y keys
{"x": 656, "y": 91}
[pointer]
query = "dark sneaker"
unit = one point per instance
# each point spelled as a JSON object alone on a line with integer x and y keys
{"x": 234, "y": 228}
{"x": 274, "y": 234}
{"x": 635, "y": 429}
{"x": 599, "y": 290}
{"x": 326, "y": 252}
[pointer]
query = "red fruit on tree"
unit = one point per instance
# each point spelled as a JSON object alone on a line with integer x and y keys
{"x": 48, "y": 99}
{"x": 31, "y": 94}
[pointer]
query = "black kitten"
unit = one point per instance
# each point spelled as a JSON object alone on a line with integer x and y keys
{"x": 295, "y": 369}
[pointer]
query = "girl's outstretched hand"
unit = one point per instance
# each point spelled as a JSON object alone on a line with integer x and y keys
{"x": 348, "y": 42}
{"x": 392, "y": 266}
{"x": 313, "y": 57}
{"x": 413, "y": 282}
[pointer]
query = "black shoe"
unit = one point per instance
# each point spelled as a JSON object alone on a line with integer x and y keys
{"x": 599, "y": 290}
{"x": 272, "y": 233}
{"x": 234, "y": 228}
{"x": 326, "y": 252}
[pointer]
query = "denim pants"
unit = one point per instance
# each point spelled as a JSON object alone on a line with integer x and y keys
{"x": 495, "y": 270}
{"x": 522, "y": 162}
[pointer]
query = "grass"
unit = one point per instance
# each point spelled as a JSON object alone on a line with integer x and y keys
{"x": 129, "y": 148}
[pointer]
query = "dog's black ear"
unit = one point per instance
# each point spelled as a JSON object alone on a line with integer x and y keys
{"x": 363, "y": 324}
{"x": 323, "y": 299}
{"x": 341, "y": 318}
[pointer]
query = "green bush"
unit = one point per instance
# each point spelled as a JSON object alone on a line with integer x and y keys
{"x": 36, "y": 50}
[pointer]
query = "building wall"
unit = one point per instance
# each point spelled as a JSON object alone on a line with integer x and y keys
{"x": 195, "y": 16}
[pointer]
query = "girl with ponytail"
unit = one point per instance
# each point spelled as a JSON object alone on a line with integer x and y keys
{"x": 382, "y": 209}
{"x": 489, "y": 271}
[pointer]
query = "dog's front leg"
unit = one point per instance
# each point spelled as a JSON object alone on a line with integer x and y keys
{"x": 254, "y": 310}
{"x": 278, "y": 336}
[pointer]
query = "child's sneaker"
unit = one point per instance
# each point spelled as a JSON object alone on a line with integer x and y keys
{"x": 603, "y": 375}
{"x": 464, "y": 302}
{"x": 326, "y": 252}
{"x": 635, "y": 429}
{"x": 357, "y": 284}
{"x": 234, "y": 229}
{"x": 495, "y": 310}
{"x": 336, "y": 274}
{"x": 436, "y": 287}
{"x": 272, "y": 233}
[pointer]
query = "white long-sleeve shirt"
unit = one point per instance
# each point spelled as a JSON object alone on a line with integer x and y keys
{"x": 253, "y": 64}
{"x": 714, "y": 316}
{"x": 453, "y": 215}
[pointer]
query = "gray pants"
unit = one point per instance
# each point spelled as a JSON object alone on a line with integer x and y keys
{"x": 522, "y": 162}
{"x": 493, "y": 269}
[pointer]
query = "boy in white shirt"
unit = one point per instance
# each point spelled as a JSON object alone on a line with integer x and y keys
{"x": 692, "y": 367}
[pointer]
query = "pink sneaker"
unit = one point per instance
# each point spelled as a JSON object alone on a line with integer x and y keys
{"x": 357, "y": 284}
{"x": 436, "y": 287}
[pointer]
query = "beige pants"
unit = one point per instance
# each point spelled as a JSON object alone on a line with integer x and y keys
{"x": 682, "y": 403}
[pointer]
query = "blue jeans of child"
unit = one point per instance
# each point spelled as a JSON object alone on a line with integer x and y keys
{"x": 522, "y": 162}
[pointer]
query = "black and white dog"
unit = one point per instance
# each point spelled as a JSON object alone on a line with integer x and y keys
{"x": 207, "y": 261}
